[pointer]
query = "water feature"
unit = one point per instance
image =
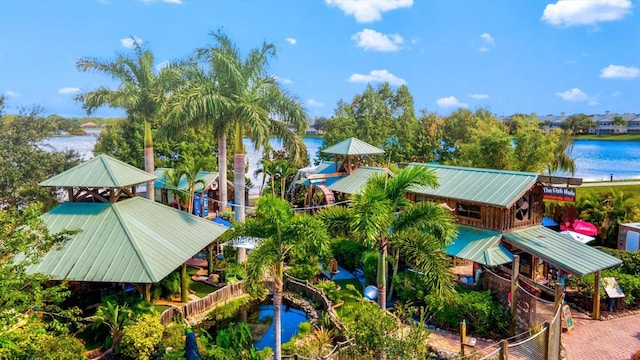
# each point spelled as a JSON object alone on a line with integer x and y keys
{"x": 596, "y": 160}
{"x": 259, "y": 317}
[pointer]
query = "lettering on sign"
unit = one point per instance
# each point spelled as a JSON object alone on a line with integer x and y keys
{"x": 559, "y": 193}
{"x": 566, "y": 313}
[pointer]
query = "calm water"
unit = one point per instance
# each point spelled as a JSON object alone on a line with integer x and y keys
{"x": 595, "y": 159}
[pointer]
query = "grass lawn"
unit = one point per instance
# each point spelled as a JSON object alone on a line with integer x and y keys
{"x": 632, "y": 137}
{"x": 201, "y": 289}
{"x": 349, "y": 297}
{"x": 160, "y": 308}
{"x": 632, "y": 190}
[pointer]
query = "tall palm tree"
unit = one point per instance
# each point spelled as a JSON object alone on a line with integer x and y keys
{"x": 562, "y": 160}
{"x": 382, "y": 214}
{"x": 284, "y": 233}
{"x": 172, "y": 180}
{"x": 256, "y": 105}
{"x": 189, "y": 168}
{"x": 141, "y": 92}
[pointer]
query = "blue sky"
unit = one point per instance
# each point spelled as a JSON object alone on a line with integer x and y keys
{"x": 544, "y": 57}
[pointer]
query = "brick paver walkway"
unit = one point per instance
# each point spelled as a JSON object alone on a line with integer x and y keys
{"x": 450, "y": 343}
{"x": 590, "y": 339}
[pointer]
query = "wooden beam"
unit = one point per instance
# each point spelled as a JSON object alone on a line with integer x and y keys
{"x": 324, "y": 176}
{"x": 515, "y": 273}
{"x": 596, "y": 296}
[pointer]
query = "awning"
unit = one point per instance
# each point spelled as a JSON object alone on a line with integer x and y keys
{"x": 479, "y": 245}
{"x": 577, "y": 236}
{"x": 572, "y": 256}
{"x": 246, "y": 242}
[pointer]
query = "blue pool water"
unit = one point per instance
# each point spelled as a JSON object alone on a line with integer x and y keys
{"x": 291, "y": 318}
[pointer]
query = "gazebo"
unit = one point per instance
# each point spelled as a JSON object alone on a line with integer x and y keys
{"x": 121, "y": 238}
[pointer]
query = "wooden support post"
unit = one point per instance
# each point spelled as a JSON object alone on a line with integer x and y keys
{"x": 184, "y": 287}
{"x": 547, "y": 341}
{"x": 515, "y": 273}
{"x": 147, "y": 292}
{"x": 463, "y": 336}
{"x": 504, "y": 350}
{"x": 557, "y": 298}
{"x": 596, "y": 296}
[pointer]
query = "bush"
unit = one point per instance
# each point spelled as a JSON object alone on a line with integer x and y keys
{"x": 234, "y": 273}
{"x": 347, "y": 253}
{"x": 140, "y": 340}
{"x": 370, "y": 267}
{"x": 304, "y": 271}
{"x": 330, "y": 290}
{"x": 482, "y": 313}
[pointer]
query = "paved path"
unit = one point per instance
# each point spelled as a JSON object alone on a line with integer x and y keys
{"x": 590, "y": 339}
{"x": 450, "y": 343}
{"x": 608, "y": 183}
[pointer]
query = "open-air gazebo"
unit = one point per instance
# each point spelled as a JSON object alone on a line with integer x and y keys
{"x": 121, "y": 238}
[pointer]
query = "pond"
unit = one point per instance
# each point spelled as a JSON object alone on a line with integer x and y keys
{"x": 259, "y": 317}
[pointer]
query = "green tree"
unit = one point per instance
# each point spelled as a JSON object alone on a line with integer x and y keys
{"x": 561, "y": 159}
{"x": 320, "y": 123}
{"x": 34, "y": 322}
{"x": 25, "y": 160}
{"x": 283, "y": 234}
{"x": 619, "y": 122}
{"x": 256, "y": 106}
{"x": 578, "y": 124}
{"x": 114, "y": 317}
{"x": 381, "y": 214}
{"x": 141, "y": 92}
{"x": 140, "y": 340}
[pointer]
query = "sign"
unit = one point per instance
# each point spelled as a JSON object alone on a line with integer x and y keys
{"x": 566, "y": 313}
{"x": 612, "y": 288}
{"x": 559, "y": 193}
{"x": 560, "y": 180}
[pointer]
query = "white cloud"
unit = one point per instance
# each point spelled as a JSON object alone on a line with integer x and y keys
{"x": 487, "y": 38}
{"x": 11, "y": 93}
{"x": 68, "y": 90}
{"x": 373, "y": 40}
{"x": 450, "y": 101}
{"x": 282, "y": 80}
{"x": 479, "y": 96}
{"x": 377, "y": 76}
{"x": 291, "y": 40}
{"x": 130, "y": 41}
{"x": 368, "y": 10}
{"x": 619, "y": 72}
{"x": 483, "y": 49}
{"x": 574, "y": 95}
{"x": 314, "y": 103}
{"x": 585, "y": 12}
{"x": 593, "y": 102}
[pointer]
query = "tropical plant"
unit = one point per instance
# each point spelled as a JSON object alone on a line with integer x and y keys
{"x": 267, "y": 170}
{"x": 255, "y": 105}
{"x": 189, "y": 168}
{"x": 381, "y": 214}
{"x": 140, "y": 340}
{"x": 172, "y": 180}
{"x": 115, "y": 317}
{"x": 141, "y": 92}
{"x": 562, "y": 160}
{"x": 282, "y": 233}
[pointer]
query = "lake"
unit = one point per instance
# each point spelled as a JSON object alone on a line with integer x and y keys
{"x": 595, "y": 159}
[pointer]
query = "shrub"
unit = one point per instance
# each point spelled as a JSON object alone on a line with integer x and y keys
{"x": 304, "y": 271}
{"x": 330, "y": 290}
{"x": 347, "y": 253}
{"x": 234, "y": 273}
{"x": 140, "y": 340}
{"x": 370, "y": 267}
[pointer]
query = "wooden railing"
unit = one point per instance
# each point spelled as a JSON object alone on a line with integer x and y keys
{"x": 204, "y": 304}
{"x": 308, "y": 290}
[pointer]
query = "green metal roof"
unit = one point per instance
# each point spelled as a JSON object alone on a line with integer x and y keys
{"x": 493, "y": 187}
{"x": 479, "y": 245}
{"x": 207, "y": 177}
{"x": 134, "y": 240}
{"x": 102, "y": 171}
{"x": 563, "y": 252}
{"x": 353, "y": 146}
{"x": 354, "y": 183}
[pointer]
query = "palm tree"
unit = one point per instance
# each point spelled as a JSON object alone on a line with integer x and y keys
{"x": 115, "y": 317}
{"x": 255, "y": 105}
{"x": 381, "y": 214}
{"x": 172, "y": 179}
{"x": 141, "y": 92}
{"x": 285, "y": 170}
{"x": 562, "y": 160}
{"x": 268, "y": 169}
{"x": 189, "y": 168}
{"x": 284, "y": 233}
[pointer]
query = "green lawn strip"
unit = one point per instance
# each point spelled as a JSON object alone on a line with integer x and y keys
{"x": 631, "y": 190}
{"x": 201, "y": 289}
{"x": 349, "y": 297}
{"x": 621, "y": 137}
{"x": 160, "y": 308}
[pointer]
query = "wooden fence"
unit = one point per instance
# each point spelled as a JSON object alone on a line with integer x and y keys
{"x": 204, "y": 304}
{"x": 307, "y": 289}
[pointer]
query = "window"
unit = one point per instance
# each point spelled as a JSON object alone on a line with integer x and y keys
{"x": 470, "y": 211}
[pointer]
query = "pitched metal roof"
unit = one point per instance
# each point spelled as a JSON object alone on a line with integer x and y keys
{"x": 493, "y": 187}
{"x": 354, "y": 183}
{"x": 563, "y": 252}
{"x": 207, "y": 177}
{"x": 134, "y": 240}
{"x": 353, "y": 146}
{"x": 479, "y": 245}
{"x": 102, "y": 171}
